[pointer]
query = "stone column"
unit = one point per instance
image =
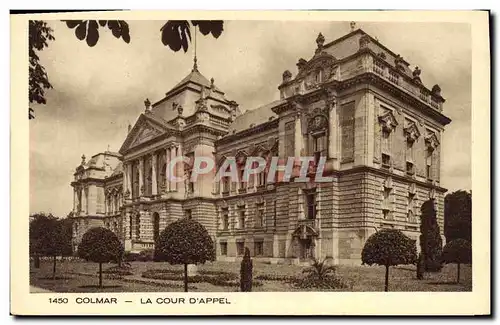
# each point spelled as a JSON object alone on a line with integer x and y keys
{"x": 75, "y": 199}
{"x": 154, "y": 185}
{"x": 84, "y": 201}
{"x": 129, "y": 179}
{"x": 167, "y": 171}
{"x": 125, "y": 178}
{"x": 173, "y": 155}
{"x": 141, "y": 177}
{"x": 180, "y": 169}
{"x": 332, "y": 132}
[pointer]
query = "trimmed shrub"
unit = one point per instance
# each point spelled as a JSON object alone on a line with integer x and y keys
{"x": 320, "y": 275}
{"x": 389, "y": 247}
{"x": 457, "y": 251}
{"x": 431, "y": 244}
{"x": 146, "y": 255}
{"x": 246, "y": 272}
{"x": 100, "y": 245}
{"x": 185, "y": 241}
{"x": 119, "y": 270}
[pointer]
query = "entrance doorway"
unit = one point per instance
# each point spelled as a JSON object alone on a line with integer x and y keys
{"x": 306, "y": 246}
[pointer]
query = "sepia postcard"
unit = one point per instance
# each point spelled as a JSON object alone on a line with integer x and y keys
{"x": 250, "y": 163}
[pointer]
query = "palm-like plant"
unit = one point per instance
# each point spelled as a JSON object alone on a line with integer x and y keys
{"x": 319, "y": 269}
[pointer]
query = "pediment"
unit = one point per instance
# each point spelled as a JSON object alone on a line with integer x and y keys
{"x": 320, "y": 61}
{"x": 144, "y": 130}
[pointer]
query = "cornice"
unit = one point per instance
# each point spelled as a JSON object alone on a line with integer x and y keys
{"x": 256, "y": 129}
{"x": 373, "y": 79}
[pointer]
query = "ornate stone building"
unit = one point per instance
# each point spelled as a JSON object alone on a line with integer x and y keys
{"x": 354, "y": 102}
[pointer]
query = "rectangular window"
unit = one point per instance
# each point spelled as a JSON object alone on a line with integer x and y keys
{"x": 262, "y": 178}
{"x": 226, "y": 184}
{"x": 188, "y": 214}
{"x": 258, "y": 249}
{"x": 386, "y": 203}
{"x": 311, "y": 205}
{"x": 223, "y": 249}
{"x": 386, "y": 160}
{"x": 409, "y": 151}
{"x": 347, "y": 131}
{"x": 289, "y": 139}
{"x": 240, "y": 248}
{"x": 241, "y": 219}
{"x": 259, "y": 218}
{"x": 243, "y": 184}
{"x": 386, "y": 142}
{"x": 429, "y": 164}
{"x": 225, "y": 218}
{"x": 320, "y": 146}
{"x": 410, "y": 169}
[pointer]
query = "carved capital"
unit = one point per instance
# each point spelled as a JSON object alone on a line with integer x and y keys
{"x": 388, "y": 122}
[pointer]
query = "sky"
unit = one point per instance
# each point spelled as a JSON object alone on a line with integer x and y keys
{"x": 98, "y": 91}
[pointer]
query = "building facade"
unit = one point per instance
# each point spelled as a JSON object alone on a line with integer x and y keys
{"x": 354, "y": 102}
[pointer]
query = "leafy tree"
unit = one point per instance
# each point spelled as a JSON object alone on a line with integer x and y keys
{"x": 389, "y": 247}
{"x": 185, "y": 241}
{"x": 100, "y": 245}
{"x": 39, "y": 35}
{"x": 246, "y": 272}
{"x": 458, "y": 215}
{"x": 49, "y": 236}
{"x": 458, "y": 251}
{"x": 431, "y": 243}
{"x": 175, "y": 34}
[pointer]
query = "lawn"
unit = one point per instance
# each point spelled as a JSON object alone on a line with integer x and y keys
{"x": 82, "y": 277}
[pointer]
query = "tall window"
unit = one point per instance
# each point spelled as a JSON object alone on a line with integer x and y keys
{"x": 311, "y": 205}
{"x": 386, "y": 203}
{"x": 386, "y": 148}
{"x": 226, "y": 184}
{"x": 225, "y": 218}
{"x": 258, "y": 248}
{"x": 223, "y": 248}
{"x": 261, "y": 178}
{"x": 190, "y": 183}
{"x": 411, "y": 208}
{"x": 259, "y": 218}
{"x": 188, "y": 214}
{"x": 410, "y": 168}
{"x": 289, "y": 139}
{"x": 243, "y": 183}
{"x": 428, "y": 164}
{"x": 320, "y": 146}
{"x": 240, "y": 248}
{"x": 347, "y": 131}
{"x": 241, "y": 218}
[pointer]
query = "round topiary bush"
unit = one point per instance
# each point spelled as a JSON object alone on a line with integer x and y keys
{"x": 100, "y": 245}
{"x": 389, "y": 247}
{"x": 185, "y": 241}
{"x": 457, "y": 251}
